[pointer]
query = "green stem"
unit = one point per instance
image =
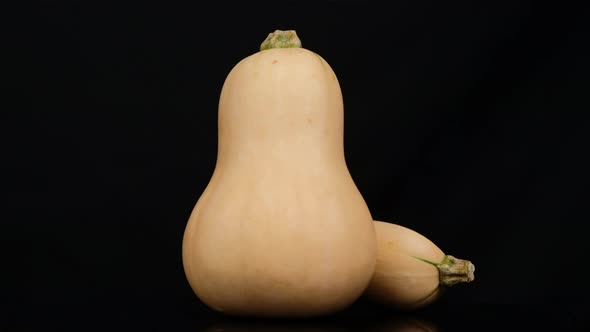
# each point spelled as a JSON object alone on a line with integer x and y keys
{"x": 281, "y": 39}
{"x": 453, "y": 270}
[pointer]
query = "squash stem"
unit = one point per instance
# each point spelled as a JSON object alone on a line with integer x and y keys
{"x": 281, "y": 39}
{"x": 454, "y": 270}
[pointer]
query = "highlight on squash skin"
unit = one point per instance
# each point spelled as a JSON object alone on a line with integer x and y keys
{"x": 411, "y": 271}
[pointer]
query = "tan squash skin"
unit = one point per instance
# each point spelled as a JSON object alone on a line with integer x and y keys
{"x": 281, "y": 229}
{"x": 402, "y": 277}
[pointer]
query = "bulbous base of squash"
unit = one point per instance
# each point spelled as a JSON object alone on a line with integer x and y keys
{"x": 292, "y": 311}
{"x": 277, "y": 302}
{"x": 300, "y": 275}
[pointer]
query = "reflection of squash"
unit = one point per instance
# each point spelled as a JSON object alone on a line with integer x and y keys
{"x": 402, "y": 324}
{"x": 273, "y": 326}
{"x": 281, "y": 229}
{"x": 383, "y": 323}
{"x": 411, "y": 271}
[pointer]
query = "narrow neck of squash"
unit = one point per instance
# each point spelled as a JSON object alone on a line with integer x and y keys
{"x": 281, "y": 39}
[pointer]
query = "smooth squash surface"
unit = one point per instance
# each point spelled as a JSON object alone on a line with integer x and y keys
{"x": 281, "y": 229}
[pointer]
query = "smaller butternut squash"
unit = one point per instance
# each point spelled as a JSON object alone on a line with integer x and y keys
{"x": 411, "y": 271}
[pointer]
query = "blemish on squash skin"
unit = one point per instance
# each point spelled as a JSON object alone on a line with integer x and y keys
{"x": 391, "y": 245}
{"x": 309, "y": 120}
{"x": 280, "y": 283}
{"x": 274, "y": 61}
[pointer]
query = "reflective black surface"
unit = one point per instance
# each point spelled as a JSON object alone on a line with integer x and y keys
{"x": 189, "y": 315}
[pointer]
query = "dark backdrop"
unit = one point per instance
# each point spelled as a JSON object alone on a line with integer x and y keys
{"x": 463, "y": 121}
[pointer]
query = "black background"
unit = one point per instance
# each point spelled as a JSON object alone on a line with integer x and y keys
{"x": 463, "y": 121}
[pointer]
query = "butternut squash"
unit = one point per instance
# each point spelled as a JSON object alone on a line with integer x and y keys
{"x": 411, "y": 270}
{"x": 281, "y": 228}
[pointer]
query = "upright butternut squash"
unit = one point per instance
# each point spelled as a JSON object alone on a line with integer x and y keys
{"x": 281, "y": 229}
